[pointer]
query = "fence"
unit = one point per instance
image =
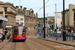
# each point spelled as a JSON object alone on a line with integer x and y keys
{"x": 69, "y": 36}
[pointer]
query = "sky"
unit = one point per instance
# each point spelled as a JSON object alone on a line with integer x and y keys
{"x": 37, "y": 4}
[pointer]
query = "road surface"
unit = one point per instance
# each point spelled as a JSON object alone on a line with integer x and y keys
{"x": 33, "y": 43}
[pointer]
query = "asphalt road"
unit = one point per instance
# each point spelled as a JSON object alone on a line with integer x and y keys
{"x": 33, "y": 43}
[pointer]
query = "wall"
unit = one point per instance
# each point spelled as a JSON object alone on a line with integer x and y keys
{"x": 18, "y": 17}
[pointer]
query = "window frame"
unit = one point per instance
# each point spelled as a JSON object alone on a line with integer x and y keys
{"x": 5, "y": 9}
{"x": 6, "y": 16}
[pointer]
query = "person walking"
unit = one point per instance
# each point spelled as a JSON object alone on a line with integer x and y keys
{"x": 1, "y": 36}
{"x": 8, "y": 35}
{"x": 6, "y": 32}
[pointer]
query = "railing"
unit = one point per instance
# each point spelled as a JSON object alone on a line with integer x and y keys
{"x": 69, "y": 36}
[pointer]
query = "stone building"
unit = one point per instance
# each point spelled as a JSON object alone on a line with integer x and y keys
{"x": 59, "y": 19}
{"x": 8, "y": 10}
{"x": 69, "y": 17}
{"x": 30, "y": 19}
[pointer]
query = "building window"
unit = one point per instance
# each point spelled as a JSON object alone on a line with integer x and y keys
{"x": 21, "y": 18}
{"x": 17, "y": 20}
{"x": 58, "y": 16}
{"x": 74, "y": 17}
{"x": 34, "y": 27}
{"x": 61, "y": 22}
{"x": 5, "y": 9}
{"x": 22, "y": 23}
{"x": 6, "y": 16}
{"x": 28, "y": 13}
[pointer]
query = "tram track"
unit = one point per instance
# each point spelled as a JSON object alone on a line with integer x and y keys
{"x": 25, "y": 44}
{"x": 43, "y": 44}
{"x": 46, "y": 43}
{"x": 14, "y": 46}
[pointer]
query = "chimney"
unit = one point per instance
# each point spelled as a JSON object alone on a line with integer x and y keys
{"x": 25, "y": 8}
{"x": 21, "y": 7}
{"x": 17, "y": 7}
{"x": 36, "y": 14}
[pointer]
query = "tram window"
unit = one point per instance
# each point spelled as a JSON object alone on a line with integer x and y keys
{"x": 23, "y": 31}
{"x": 19, "y": 30}
{"x": 15, "y": 31}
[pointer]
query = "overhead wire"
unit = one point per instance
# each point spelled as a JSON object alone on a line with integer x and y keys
{"x": 47, "y": 6}
{"x": 42, "y": 6}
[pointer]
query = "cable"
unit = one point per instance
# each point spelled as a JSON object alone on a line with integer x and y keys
{"x": 42, "y": 6}
{"x": 47, "y": 1}
{"x": 47, "y": 6}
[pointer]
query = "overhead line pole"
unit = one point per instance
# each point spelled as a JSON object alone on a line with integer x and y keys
{"x": 56, "y": 18}
{"x": 64, "y": 32}
{"x": 19, "y": 3}
{"x": 44, "y": 15}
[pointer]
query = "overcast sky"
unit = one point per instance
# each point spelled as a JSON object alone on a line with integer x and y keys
{"x": 37, "y": 4}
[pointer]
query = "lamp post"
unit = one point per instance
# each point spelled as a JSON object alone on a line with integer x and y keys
{"x": 4, "y": 26}
{"x": 19, "y": 3}
{"x": 64, "y": 32}
{"x": 44, "y": 15}
{"x": 47, "y": 25}
{"x": 56, "y": 19}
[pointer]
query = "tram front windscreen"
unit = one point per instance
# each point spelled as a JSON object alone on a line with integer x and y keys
{"x": 19, "y": 30}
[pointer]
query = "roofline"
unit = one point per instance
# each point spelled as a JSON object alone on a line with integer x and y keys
{"x": 8, "y": 4}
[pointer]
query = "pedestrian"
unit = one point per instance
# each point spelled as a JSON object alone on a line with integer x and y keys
{"x": 8, "y": 36}
{"x": 55, "y": 30}
{"x": 1, "y": 36}
{"x": 6, "y": 32}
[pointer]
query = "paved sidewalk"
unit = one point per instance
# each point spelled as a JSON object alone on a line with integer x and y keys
{"x": 67, "y": 42}
{"x": 4, "y": 42}
{"x": 1, "y": 43}
{"x": 60, "y": 40}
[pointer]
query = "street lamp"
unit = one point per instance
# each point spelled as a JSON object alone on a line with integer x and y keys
{"x": 44, "y": 15}
{"x": 64, "y": 32}
{"x": 56, "y": 19}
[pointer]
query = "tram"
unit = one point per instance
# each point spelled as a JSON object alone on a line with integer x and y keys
{"x": 19, "y": 33}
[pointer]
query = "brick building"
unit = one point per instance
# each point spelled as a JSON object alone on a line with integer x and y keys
{"x": 51, "y": 18}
